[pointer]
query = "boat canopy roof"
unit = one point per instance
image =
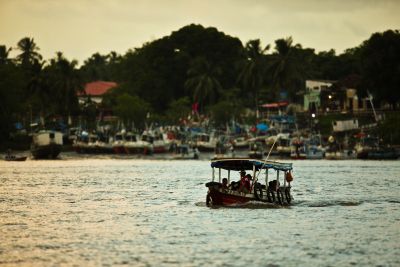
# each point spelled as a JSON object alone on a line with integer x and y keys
{"x": 238, "y": 164}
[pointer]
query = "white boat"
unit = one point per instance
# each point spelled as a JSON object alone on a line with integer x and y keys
{"x": 160, "y": 143}
{"x": 186, "y": 152}
{"x": 205, "y": 142}
{"x": 133, "y": 145}
{"x": 118, "y": 144}
{"x": 256, "y": 150}
{"x": 46, "y": 144}
{"x": 240, "y": 142}
{"x": 283, "y": 145}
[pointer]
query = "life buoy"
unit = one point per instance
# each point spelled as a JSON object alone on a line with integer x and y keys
{"x": 209, "y": 201}
{"x": 270, "y": 196}
{"x": 287, "y": 195}
{"x": 280, "y": 196}
{"x": 289, "y": 177}
{"x": 258, "y": 193}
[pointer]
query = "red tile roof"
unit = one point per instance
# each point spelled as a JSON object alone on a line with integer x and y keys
{"x": 98, "y": 88}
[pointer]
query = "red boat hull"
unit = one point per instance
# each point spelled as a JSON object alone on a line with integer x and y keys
{"x": 220, "y": 198}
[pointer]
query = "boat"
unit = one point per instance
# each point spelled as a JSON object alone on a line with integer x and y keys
{"x": 118, "y": 143}
{"x": 256, "y": 150}
{"x": 81, "y": 142}
{"x": 9, "y": 157}
{"x": 370, "y": 148}
{"x": 46, "y": 144}
{"x": 314, "y": 152}
{"x": 284, "y": 145}
{"x": 133, "y": 145}
{"x": 160, "y": 143}
{"x": 240, "y": 142}
{"x": 221, "y": 191}
{"x": 205, "y": 142}
{"x": 184, "y": 151}
{"x": 334, "y": 151}
{"x": 298, "y": 149}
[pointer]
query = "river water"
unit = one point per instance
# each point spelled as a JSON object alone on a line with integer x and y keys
{"x": 138, "y": 212}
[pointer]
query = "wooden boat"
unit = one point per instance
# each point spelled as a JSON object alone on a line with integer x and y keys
{"x": 224, "y": 192}
{"x": 14, "y": 158}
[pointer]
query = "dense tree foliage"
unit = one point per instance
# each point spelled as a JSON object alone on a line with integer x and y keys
{"x": 193, "y": 64}
{"x": 132, "y": 110}
{"x": 380, "y": 66}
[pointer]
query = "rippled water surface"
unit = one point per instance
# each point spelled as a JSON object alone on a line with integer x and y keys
{"x": 152, "y": 213}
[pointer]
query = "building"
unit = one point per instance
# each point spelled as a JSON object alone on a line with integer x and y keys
{"x": 314, "y": 89}
{"x": 331, "y": 96}
{"x": 94, "y": 91}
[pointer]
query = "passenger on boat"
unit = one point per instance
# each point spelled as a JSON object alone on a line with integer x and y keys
{"x": 245, "y": 183}
{"x": 236, "y": 185}
{"x": 224, "y": 183}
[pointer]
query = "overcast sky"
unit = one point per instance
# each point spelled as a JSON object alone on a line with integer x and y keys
{"x": 80, "y": 28}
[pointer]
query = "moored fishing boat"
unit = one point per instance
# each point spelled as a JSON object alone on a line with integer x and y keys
{"x": 225, "y": 192}
{"x": 133, "y": 144}
{"x": 46, "y": 144}
{"x": 118, "y": 143}
{"x": 184, "y": 151}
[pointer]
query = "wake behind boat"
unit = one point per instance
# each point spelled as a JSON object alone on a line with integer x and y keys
{"x": 225, "y": 192}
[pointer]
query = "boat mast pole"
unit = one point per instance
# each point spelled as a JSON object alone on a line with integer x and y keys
{"x": 271, "y": 148}
{"x": 265, "y": 161}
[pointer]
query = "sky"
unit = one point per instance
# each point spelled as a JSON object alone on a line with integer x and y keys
{"x": 80, "y": 28}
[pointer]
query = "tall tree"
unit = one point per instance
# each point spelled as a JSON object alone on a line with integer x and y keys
{"x": 203, "y": 81}
{"x": 29, "y": 52}
{"x": 65, "y": 82}
{"x": 132, "y": 110}
{"x": 287, "y": 71}
{"x": 4, "y": 53}
{"x": 380, "y": 66}
{"x": 252, "y": 75}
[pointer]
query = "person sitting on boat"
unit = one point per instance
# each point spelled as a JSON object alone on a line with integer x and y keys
{"x": 224, "y": 183}
{"x": 236, "y": 185}
{"x": 245, "y": 183}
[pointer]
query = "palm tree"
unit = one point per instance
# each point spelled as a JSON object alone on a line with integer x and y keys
{"x": 287, "y": 71}
{"x": 4, "y": 52}
{"x": 203, "y": 81}
{"x": 29, "y": 51}
{"x": 63, "y": 78}
{"x": 253, "y": 68}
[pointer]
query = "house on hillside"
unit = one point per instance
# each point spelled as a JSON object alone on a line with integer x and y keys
{"x": 332, "y": 96}
{"x": 94, "y": 91}
{"x": 312, "y": 96}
